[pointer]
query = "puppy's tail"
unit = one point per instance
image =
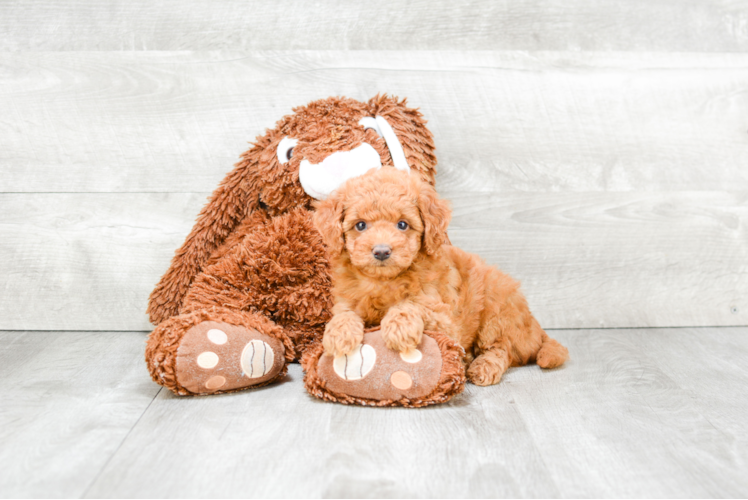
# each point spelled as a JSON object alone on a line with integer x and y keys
{"x": 551, "y": 353}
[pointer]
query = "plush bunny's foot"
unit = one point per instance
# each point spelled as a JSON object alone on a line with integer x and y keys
{"x": 211, "y": 352}
{"x": 218, "y": 357}
{"x": 374, "y": 375}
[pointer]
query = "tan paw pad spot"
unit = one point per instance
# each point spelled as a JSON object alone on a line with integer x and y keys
{"x": 356, "y": 364}
{"x": 411, "y": 356}
{"x": 207, "y": 360}
{"x": 257, "y": 358}
{"x": 217, "y": 336}
{"x": 401, "y": 380}
{"x": 215, "y": 382}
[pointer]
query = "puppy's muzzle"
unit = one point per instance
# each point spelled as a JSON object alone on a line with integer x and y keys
{"x": 382, "y": 252}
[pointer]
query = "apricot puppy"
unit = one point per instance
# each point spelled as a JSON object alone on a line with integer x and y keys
{"x": 385, "y": 233}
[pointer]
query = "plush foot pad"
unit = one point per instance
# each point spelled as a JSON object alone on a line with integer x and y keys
{"x": 375, "y": 375}
{"x": 219, "y": 357}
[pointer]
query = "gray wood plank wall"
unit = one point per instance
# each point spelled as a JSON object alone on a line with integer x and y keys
{"x": 639, "y": 25}
{"x": 593, "y": 152}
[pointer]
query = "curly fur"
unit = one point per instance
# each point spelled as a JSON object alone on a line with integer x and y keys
{"x": 259, "y": 182}
{"x": 253, "y": 251}
{"x": 424, "y": 284}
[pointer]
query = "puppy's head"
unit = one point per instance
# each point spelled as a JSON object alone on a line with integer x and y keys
{"x": 381, "y": 221}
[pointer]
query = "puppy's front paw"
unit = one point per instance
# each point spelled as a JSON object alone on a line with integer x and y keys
{"x": 485, "y": 370}
{"x": 343, "y": 333}
{"x": 402, "y": 329}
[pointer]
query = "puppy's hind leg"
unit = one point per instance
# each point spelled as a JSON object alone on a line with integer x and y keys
{"x": 490, "y": 365}
{"x": 551, "y": 353}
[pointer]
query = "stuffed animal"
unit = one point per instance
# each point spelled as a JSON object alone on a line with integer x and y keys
{"x": 249, "y": 291}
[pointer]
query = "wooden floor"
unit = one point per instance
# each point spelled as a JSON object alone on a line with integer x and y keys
{"x": 639, "y": 412}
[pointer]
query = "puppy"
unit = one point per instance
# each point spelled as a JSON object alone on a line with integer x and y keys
{"x": 385, "y": 232}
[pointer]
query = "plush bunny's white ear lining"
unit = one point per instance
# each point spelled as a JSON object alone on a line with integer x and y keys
{"x": 393, "y": 143}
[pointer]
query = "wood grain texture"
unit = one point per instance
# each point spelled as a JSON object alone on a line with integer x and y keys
{"x": 653, "y": 413}
{"x": 89, "y": 261}
{"x": 616, "y": 259}
{"x": 655, "y": 25}
{"x": 502, "y": 121}
{"x": 68, "y": 401}
{"x": 627, "y": 419}
{"x": 281, "y": 442}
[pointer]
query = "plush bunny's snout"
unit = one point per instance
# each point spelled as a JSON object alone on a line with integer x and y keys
{"x": 321, "y": 179}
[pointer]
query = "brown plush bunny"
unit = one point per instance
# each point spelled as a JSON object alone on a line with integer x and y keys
{"x": 249, "y": 290}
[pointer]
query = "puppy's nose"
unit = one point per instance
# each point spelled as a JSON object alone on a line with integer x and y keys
{"x": 382, "y": 252}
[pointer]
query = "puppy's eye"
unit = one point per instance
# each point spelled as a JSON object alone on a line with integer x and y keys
{"x": 402, "y": 225}
{"x": 285, "y": 149}
{"x": 360, "y": 226}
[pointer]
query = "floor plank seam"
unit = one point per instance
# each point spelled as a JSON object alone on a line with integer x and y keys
{"x": 106, "y": 464}
{"x": 644, "y": 328}
{"x": 206, "y": 193}
{"x": 598, "y": 328}
{"x": 72, "y": 331}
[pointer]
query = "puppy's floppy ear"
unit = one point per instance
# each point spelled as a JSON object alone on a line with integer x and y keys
{"x": 328, "y": 219}
{"x": 435, "y": 214}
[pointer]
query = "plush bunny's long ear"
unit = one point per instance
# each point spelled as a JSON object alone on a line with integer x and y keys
{"x": 409, "y": 126}
{"x": 235, "y": 197}
{"x": 328, "y": 219}
{"x": 435, "y": 213}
